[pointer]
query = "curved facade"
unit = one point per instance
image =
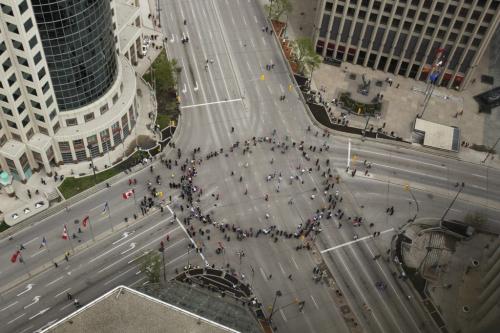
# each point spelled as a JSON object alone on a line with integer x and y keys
{"x": 78, "y": 41}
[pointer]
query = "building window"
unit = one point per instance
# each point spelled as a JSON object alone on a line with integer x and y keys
{"x": 89, "y": 117}
{"x": 43, "y": 130}
{"x": 12, "y": 28}
{"x": 2, "y": 48}
{"x": 28, "y": 25}
{"x": 12, "y": 80}
{"x": 39, "y": 117}
{"x": 16, "y": 94}
{"x": 52, "y": 114}
{"x": 27, "y": 76}
{"x": 16, "y": 137}
{"x": 22, "y": 61}
{"x": 30, "y": 133}
{"x": 11, "y": 124}
{"x": 36, "y": 105}
{"x": 17, "y": 45}
{"x": 6, "y": 65}
{"x": 422, "y": 16}
{"x": 3, "y": 98}
{"x": 104, "y": 109}
{"x": 115, "y": 98}
{"x": 451, "y": 10}
{"x": 7, "y": 111}
{"x": 49, "y": 101}
{"x": 328, "y": 6}
{"x": 71, "y": 122}
{"x": 37, "y": 58}
{"x": 340, "y": 9}
{"x": 26, "y": 121}
{"x": 41, "y": 73}
{"x": 21, "y": 108}
{"x": 3, "y": 140}
{"x": 458, "y": 24}
{"x": 45, "y": 87}
{"x": 32, "y": 42}
{"x": 31, "y": 91}
{"x": 7, "y": 10}
{"x": 56, "y": 127}
{"x": 23, "y": 6}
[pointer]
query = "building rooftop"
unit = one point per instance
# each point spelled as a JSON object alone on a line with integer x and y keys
{"x": 126, "y": 310}
{"x": 438, "y": 136}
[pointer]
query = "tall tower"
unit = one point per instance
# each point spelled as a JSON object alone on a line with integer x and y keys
{"x": 66, "y": 92}
{"x": 78, "y": 41}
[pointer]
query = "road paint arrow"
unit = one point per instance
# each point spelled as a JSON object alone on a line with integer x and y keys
{"x": 131, "y": 247}
{"x": 39, "y": 313}
{"x": 196, "y": 86}
{"x": 35, "y": 300}
{"x": 125, "y": 235}
{"x": 184, "y": 90}
{"x": 172, "y": 39}
{"x": 28, "y": 288}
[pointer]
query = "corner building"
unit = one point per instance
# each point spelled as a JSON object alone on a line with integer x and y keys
{"x": 407, "y": 37}
{"x": 66, "y": 92}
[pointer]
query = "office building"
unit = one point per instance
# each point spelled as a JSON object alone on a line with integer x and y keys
{"x": 67, "y": 82}
{"x": 409, "y": 37}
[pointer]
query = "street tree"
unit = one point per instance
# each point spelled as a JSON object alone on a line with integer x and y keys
{"x": 151, "y": 266}
{"x": 305, "y": 56}
{"x": 277, "y": 8}
{"x": 475, "y": 219}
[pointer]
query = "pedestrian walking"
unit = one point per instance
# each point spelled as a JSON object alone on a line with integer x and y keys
{"x": 69, "y": 296}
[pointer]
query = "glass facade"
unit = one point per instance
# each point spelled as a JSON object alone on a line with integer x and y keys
{"x": 77, "y": 37}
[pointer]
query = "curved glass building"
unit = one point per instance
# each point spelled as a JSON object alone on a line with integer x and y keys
{"x": 78, "y": 41}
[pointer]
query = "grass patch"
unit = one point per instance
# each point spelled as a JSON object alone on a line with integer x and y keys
{"x": 163, "y": 120}
{"x": 72, "y": 186}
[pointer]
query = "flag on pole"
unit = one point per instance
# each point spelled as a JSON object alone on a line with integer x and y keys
{"x": 106, "y": 208}
{"x": 44, "y": 242}
{"x": 65, "y": 233}
{"x": 127, "y": 194}
{"x": 85, "y": 221}
{"x": 13, "y": 259}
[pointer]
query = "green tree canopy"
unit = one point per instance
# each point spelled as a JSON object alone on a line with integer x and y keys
{"x": 151, "y": 266}
{"x": 277, "y": 8}
{"x": 305, "y": 55}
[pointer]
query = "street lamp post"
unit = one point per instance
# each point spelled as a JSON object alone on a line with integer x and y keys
{"x": 451, "y": 205}
{"x": 162, "y": 250}
{"x": 276, "y": 295}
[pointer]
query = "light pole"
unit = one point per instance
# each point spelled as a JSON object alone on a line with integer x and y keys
{"x": 451, "y": 205}
{"x": 162, "y": 250}
{"x": 491, "y": 150}
{"x": 276, "y": 295}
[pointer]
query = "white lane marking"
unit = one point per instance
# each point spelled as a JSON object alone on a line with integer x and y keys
{"x": 354, "y": 241}
{"x": 64, "y": 307}
{"x": 27, "y": 329}
{"x": 8, "y": 306}
{"x": 296, "y": 266}
{"x": 282, "y": 270}
{"x": 62, "y": 292}
{"x": 283, "y": 315}
{"x": 477, "y": 186}
{"x": 255, "y": 19}
{"x": 37, "y": 253}
{"x": 166, "y": 249}
{"x": 139, "y": 234}
{"x": 58, "y": 279}
{"x": 349, "y": 154}
{"x": 395, "y": 155}
{"x": 210, "y": 34}
{"x": 244, "y": 21}
{"x": 263, "y": 273}
{"x": 251, "y": 42}
{"x": 409, "y": 171}
{"x": 210, "y": 103}
{"x": 264, "y": 41}
{"x": 34, "y": 239}
{"x": 232, "y": 20}
{"x": 133, "y": 283}
{"x": 13, "y": 320}
{"x": 314, "y": 301}
{"x": 121, "y": 274}
{"x": 480, "y": 176}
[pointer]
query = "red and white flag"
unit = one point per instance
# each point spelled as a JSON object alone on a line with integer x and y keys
{"x": 128, "y": 194}
{"x": 65, "y": 233}
{"x": 85, "y": 221}
{"x": 13, "y": 259}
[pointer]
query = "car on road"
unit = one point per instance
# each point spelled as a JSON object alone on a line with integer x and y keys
{"x": 39, "y": 204}
{"x": 14, "y": 216}
{"x": 266, "y": 231}
{"x": 26, "y": 210}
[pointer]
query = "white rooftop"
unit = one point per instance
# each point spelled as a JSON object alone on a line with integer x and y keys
{"x": 437, "y": 135}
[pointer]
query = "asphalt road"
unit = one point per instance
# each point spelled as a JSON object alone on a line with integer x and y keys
{"x": 227, "y": 92}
